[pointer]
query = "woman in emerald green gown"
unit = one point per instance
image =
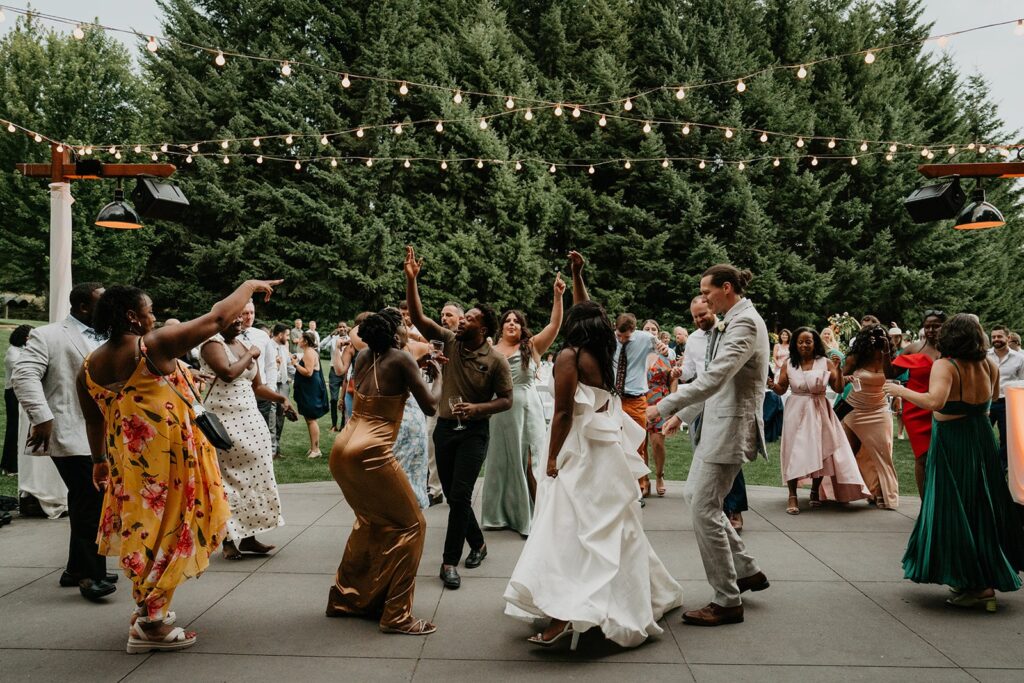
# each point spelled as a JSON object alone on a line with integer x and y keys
{"x": 968, "y": 535}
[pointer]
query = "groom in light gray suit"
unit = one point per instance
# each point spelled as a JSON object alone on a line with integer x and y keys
{"x": 731, "y": 433}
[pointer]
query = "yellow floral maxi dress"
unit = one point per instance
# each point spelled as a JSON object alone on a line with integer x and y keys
{"x": 165, "y": 511}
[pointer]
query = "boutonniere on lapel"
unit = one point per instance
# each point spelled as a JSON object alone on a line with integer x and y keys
{"x": 721, "y": 326}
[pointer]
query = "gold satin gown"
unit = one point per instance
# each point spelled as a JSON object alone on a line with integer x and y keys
{"x": 377, "y": 575}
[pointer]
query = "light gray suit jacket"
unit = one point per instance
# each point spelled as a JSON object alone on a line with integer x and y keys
{"x": 44, "y": 381}
{"x": 732, "y": 388}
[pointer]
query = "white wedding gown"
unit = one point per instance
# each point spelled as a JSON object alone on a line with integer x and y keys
{"x": 587, "y": 559}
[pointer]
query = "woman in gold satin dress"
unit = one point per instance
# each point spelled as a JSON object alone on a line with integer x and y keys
{"x": 377, "y": 575}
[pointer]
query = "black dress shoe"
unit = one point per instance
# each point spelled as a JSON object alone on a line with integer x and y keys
{"x": 450, "y": 576}
{"x": 95, "y": 590}
{"x": 68, "y": 580}
{"x": 436, "y": 499}
{"x": 475, "y": 557}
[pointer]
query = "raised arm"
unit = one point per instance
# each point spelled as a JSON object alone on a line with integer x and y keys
{"x": 781, "y": 385}
{"x": 543, "y": 340}
{"x": 579, "y": 290}
{"x": 425, "y": 325}
{"x": 168, "y": 343}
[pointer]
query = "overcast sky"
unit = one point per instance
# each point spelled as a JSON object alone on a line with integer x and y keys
{"x": 996, "y": 53}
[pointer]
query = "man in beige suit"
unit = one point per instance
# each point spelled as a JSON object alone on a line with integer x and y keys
{"x": 731, "y": 433}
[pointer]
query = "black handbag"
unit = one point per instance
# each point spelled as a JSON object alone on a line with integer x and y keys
{"x": 207, "y": 421}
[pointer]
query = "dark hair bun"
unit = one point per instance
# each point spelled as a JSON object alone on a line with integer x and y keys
{"x": 378, "y": 331}
{"x": 745, "y": 278}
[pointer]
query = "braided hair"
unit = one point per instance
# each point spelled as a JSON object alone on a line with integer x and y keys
{"x": 378, "y": 330}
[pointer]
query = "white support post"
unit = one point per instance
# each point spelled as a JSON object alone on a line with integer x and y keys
{"x": 60, "y": 250}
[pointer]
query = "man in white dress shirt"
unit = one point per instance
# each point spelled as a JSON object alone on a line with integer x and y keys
{"x": 44, "y": 380}
{"x": 1011, "y": 373}
{"x": 254, "y": 336}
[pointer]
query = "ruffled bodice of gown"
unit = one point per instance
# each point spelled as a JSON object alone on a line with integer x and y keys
{"x": 588, "y": 559}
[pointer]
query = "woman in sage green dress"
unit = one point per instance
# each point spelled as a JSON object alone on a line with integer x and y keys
{"x": 968, "y": 535}
{"x": 517, "y": 435}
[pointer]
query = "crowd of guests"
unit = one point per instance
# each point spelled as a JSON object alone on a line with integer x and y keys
{"x": 164, "y": 439}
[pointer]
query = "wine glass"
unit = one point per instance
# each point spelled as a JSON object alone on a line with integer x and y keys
{"x": 452, "y": 402}
{"x": 436, "y": 348}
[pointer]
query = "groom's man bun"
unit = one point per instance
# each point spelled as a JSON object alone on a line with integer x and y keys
{"x": 726, "y": 272}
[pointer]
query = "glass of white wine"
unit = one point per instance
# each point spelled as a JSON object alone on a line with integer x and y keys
{"x": 452, "y": 402}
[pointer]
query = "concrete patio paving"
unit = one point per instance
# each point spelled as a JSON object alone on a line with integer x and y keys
{"x": 837, "y": 609}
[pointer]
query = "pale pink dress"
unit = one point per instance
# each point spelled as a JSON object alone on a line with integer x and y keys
{"x": 813, "y": 441}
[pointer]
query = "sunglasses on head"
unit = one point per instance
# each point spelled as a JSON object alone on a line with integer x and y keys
{"x": 934, "y": 312}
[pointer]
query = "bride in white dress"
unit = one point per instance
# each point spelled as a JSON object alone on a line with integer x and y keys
{"x": 587, "y": 562}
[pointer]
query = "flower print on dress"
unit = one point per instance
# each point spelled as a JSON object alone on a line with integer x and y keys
{"x": 186, "y": 545}
{"x": 159, "y": 566}
{"x": 133, "y": 563}
{"x": 136, "y": 433}
{"x": 154, "y": 496}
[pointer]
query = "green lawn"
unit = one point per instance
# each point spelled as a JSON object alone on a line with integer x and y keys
{"x": 295, "y": 467}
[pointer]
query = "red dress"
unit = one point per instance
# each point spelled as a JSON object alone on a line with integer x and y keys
{"x": 918, "y": 421}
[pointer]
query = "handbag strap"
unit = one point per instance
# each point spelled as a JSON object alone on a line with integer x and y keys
{"x": 177, "y": 369}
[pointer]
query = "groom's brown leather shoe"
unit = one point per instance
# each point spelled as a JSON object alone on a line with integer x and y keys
{"x": 714, "y": 615}
{"x": 754, "y": 582}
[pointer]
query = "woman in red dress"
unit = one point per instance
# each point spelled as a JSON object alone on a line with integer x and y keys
{"x": 918, "y": 359}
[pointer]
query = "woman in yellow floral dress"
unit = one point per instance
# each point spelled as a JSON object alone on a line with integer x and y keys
{"x": 164, "y": 510}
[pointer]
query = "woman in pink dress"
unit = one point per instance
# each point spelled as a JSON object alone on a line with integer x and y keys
{"x": 814, "y": 445}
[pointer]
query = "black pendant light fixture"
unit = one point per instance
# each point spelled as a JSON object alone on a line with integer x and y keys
{"x": 119, "y": 214}
{"x": 978, "y": 214}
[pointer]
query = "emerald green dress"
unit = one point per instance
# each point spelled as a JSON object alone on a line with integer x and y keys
{"x": 969, "y": 534}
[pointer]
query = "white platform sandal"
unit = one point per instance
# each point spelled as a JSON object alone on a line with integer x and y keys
{"x": 139, "y": 642}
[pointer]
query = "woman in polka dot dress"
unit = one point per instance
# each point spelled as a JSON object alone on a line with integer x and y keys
{"x": 247, "y": 467}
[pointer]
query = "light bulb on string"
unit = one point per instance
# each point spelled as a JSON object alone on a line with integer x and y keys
{"x": 403, "y": 89}
{"x": 11, "y": 128}
{"x": 924, "y": 152}
{"x": 686, "y": 129}
{"x": 226, "y": 160}
{"x": 680, "y": 93}
{"x": 1019, "y": 28}
{"x": 163, "y": 148}
{"x": 628, "y": 104}
{"x": 728, "y": 133}
{"x": 60, "y": 149}
{"x": 3, "y": 17}
{"x": 951, "y": 151}
{"x": 78, "y": 33}
{"x": 801, "y": 73}
{"x": 776, "y": 162}
{"x": 444, "y": 165}
{"x": 286, "y": 68}
{"x": 39, "y": 138}
{"x": 255, "y": 143}
{"x": 647, "y": 127}
{"x": 152, "y": 45}
{"x": 931, "y": 155}
{"x": 334, "y": 163}
{"x": 552, "y": 169}
{"x": 323, "y": 140}
{"x": 627, "y": 165}
{"x": 869, "y": 57}
{"x": 298, "y": 166}
{"x": 519, "y": 166}
{"x": 407, "y": 163}
{"x": 528, "y": 115}
{"x": 195, "y": 147}
{"x": 219, "y": 60}
{"x": 892, "y": 147}
{"x": 814, "y": 161}
{"x": 188, "y": 159}
{"x": 971, "y": 146}
{"x": 439, "y": 127}
{"x": 259, "y": 159}
{"x": 741, "y": 86}
{"x": 853, "y": 161}
{"x": 346, "y": 82}
{"x": 741, "y": 166}
{"x": 483, "y": 124}
{"x": 832, "y": 143}
{"x": 701, "y": 165}
{"x": 764, "y": 137}
{"x": 479, "y": 163}
{"x": 137, "y": 149}
{"x": 888, "y": 156}
{"x": 457, "y": 97}
{"x": 864, "y": 146}
{"x": 111, "y": 150}
{"x": 88, "y": 148}
{"x": 369, "y": 163}
{"x": 982, "y": 149}
{"x": 510, "y": 103}
{"x": 289, "y": 139}
{"x": 223, "y": 145}
{"x": 360, "y": 133}
{"x": 591, "y": 170}
{"x": 943, "y": 41}
{"x": 398, "y": 129}
{"x": 558, "y": 110}
{"x": 800, "y": 142}
{"x": 153, "y": 156}
{"x": 576, "y": 112}
{"x": 602, "y": 121}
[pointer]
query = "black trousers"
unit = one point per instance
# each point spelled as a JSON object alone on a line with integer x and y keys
{"x": 9, "y": 463}
{"x": 335, "y": 383}
{"x": 85, "y": 504}
{"x": 997, "y": 414}
{"x": 460, "y": 455}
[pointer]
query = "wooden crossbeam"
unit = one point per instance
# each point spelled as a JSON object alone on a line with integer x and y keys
{"x": 1008, "y": 169}
{"x": 61, "y": 169}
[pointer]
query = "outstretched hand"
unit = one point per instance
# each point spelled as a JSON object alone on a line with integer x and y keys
{"x": 671, "y": 425}
{"x": 265, "y": 287}
{"x": 412, "y": 266}
{"x": 576, "y": 262}
{"x": 559, "y": 285}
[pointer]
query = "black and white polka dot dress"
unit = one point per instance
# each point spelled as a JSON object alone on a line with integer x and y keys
{"x": 247, "y": 468}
